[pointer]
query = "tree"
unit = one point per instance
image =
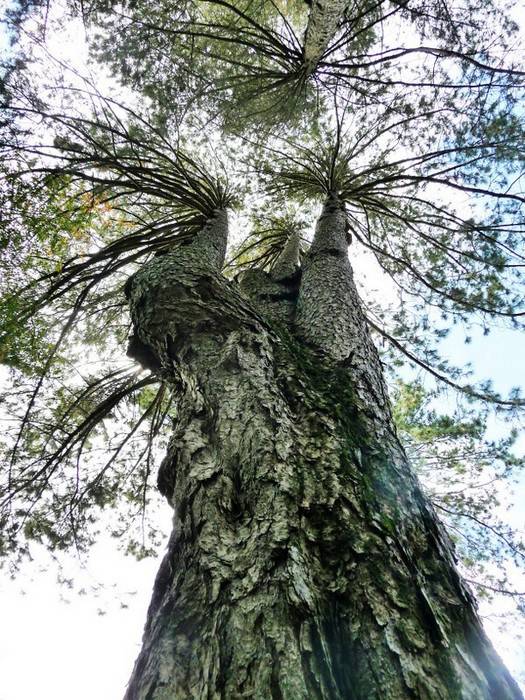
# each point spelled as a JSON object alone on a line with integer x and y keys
{"x": 464, "y": 475}
{"x": 305, "y": 560}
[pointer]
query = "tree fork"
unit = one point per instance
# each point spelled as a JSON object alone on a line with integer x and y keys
{"x": 304, "y": 560}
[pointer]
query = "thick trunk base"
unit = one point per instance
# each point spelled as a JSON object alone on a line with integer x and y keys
{"x": 304, "y": 561}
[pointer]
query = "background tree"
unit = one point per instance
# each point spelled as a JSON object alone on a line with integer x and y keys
{"x": 304, "y": 540}
{"x": 467, "y": 478}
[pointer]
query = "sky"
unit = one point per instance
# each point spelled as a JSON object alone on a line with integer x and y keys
{"x": 61, "y": 644}
{"x": 58, "y": 644}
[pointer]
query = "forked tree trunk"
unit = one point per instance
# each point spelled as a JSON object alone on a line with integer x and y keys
{"x": 304, "y": 561}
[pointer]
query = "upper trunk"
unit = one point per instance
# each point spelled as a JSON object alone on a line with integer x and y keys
{"x": 323, "y": 20}
{"x": 304, "y": 560}
{"x": 209, "y": 246}
{"x": 287, "y": 264}
{"x": 275, "y": 294}
{"x": 329, "y": 315}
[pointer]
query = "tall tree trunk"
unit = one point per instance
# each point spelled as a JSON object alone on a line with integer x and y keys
{"x": 304, "y": 561}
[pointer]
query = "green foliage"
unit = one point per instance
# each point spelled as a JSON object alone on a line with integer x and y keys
{"x": 40, "y": 231}
{"x": 87, "y": 446}
{"x": 467, "y": 477}
{"x": 269, "y": 235}
{"x": 230, "y": 59}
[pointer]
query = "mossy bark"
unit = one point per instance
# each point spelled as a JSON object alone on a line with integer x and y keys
{"x": 304, "y": 560}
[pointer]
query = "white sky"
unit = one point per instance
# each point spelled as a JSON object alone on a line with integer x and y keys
{"x": 61, "y": 645}
{"x": 58, "y": 644}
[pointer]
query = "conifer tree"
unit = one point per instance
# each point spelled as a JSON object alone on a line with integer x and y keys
{"x": 305, "y": 561}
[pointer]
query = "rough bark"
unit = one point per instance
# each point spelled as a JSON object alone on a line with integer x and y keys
{"x": 323, "y": 20}
{"x": 329, "y": 315}
{"x": 304, "y": 561}
{"x": 275, "y": 299}
{"x": 287, "y": 264}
